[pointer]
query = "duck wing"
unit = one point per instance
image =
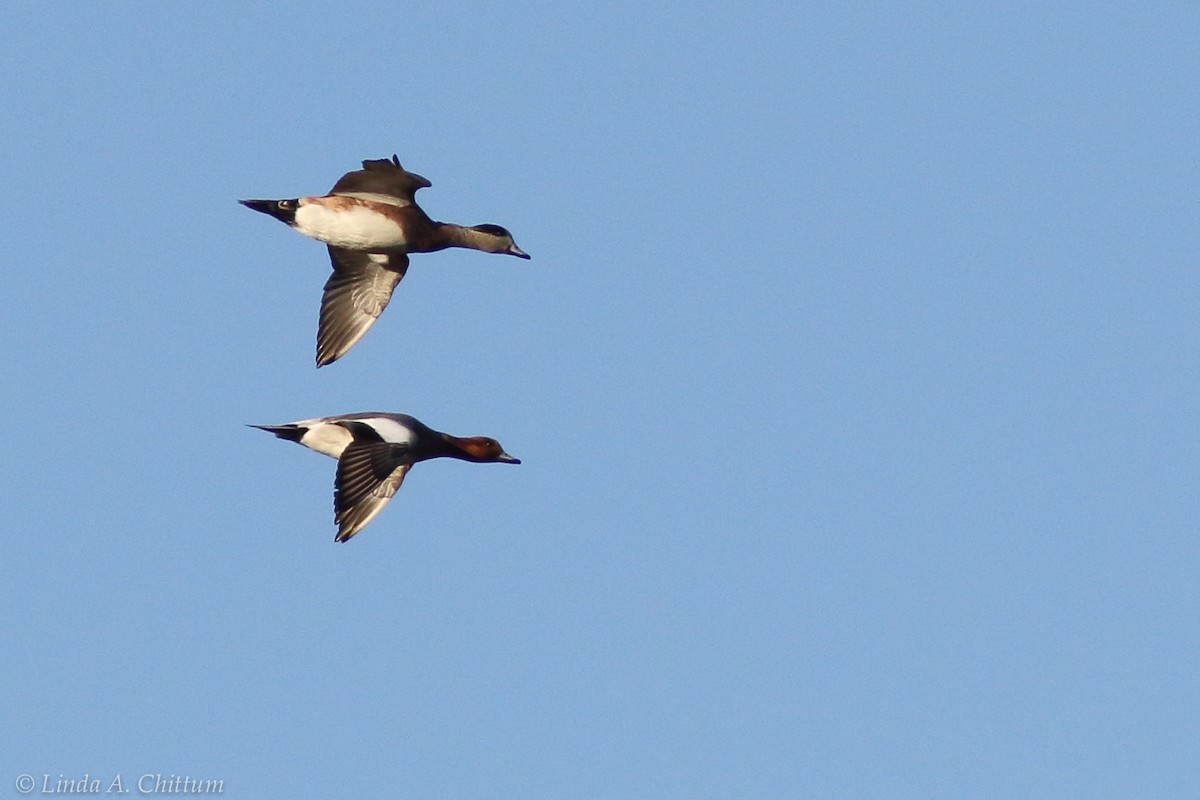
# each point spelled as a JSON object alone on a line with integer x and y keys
{"x": 355, "y": 295}
{"x": 368, "y": 474}
{"x": 382, "y": 180}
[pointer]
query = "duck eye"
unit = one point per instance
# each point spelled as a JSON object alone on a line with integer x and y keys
{"x": 285, "y": 203}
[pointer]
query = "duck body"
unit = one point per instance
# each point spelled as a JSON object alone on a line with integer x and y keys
{"x": 354, "y": 224}
{"x": 374, "y": 451}
{"x": 370, "y": 222}
{"x": 374, "y": 226}
{"x": 330, "y": 436}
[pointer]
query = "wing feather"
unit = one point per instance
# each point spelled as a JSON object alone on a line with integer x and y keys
{"x": 355, "y": 295}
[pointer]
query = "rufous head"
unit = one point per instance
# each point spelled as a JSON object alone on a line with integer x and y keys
{"x": 484, "y": 449}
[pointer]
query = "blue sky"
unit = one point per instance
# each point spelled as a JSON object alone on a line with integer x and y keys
{"x": 853, "y": 375}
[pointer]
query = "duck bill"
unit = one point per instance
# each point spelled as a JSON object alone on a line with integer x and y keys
{"x": 518, "y": 252}
{"x": 507, "y": 459}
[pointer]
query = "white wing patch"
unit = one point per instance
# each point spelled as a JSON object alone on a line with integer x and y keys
{"x": 391, "y": 430}
{"x": 376, "y": 197}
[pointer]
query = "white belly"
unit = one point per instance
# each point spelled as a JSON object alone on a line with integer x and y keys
{"x": 327, "y": 438}
{"x": 354, "y": 227}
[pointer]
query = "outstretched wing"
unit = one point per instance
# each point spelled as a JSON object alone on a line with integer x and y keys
{"x": 368, "y": 474}
{"x": 355, "y": 295}
{"x": 382, "y": 180}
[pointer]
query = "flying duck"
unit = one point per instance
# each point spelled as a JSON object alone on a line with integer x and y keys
{"x": 370, "y": 222}
{"x": 374, "y": 451}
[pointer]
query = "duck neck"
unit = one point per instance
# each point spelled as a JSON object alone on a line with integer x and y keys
{"x": 452, "y": 447}
{"x": 451, "y": 235}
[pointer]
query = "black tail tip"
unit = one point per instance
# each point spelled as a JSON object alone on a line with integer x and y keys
{"x": 292, "y": 433}
{"x": 282, "y": 210}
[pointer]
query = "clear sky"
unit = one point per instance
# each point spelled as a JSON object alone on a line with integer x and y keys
{"x": 854, "y": 376}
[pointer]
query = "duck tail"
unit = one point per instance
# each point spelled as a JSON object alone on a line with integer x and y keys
{"x": 292, "y": 433}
